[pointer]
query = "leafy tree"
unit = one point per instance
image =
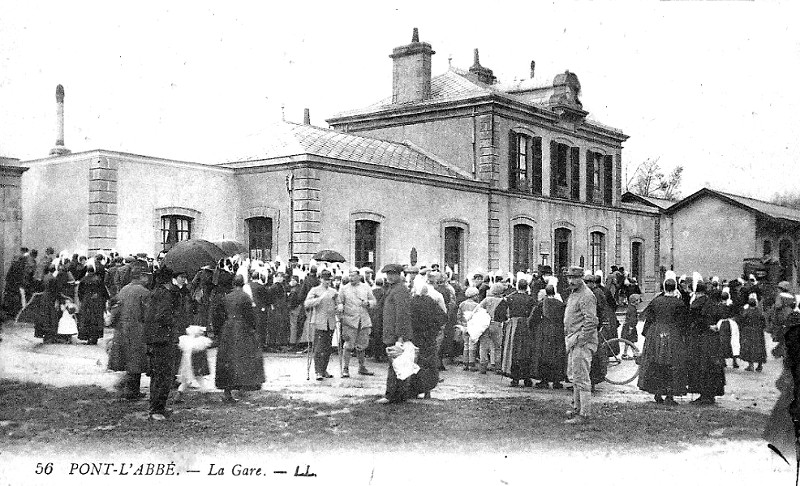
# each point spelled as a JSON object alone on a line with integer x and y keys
{"x": 648, "y": 179}
{"x": 790, "y": 199}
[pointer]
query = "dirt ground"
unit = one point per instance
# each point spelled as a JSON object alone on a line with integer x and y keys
{"x": 58, "y": 405}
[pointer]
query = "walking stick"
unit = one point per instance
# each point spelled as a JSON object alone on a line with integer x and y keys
{"x": 307, "y": 331}
{"x": 341, "y": 357}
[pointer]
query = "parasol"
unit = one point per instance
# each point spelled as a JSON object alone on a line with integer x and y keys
{"x": 191, "y": 255}
{"x": 231, "y": 247}
{"x": 328, "y": 256}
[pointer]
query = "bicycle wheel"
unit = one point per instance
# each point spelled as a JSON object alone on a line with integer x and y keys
{"x": 621, "y": 368}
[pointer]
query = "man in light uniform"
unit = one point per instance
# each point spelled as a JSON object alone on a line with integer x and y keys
{"x": 354, "y": 301}
{"x": 580, "y": 331}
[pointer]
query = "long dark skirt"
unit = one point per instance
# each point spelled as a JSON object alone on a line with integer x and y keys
{"x": 240, "y": 364}
{"x": 91, "y": 323}
{"x": 427, "y": 377}
{"x": 706, "y": 365}
{"x": 277, "y": 323}
{"x": 517, "y": 349}
{"x": 663, "y": 370}
{"x": 754, "y": 347}
{"x": 44, "y": 310}
{"x": 725, "y": 336}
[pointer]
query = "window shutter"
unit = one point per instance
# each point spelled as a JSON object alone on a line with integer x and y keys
{"x": 536, "y": 178}
{"x": 574, "y": 157}
{"x": 608, "y": 176}
{"x": 589, "y": 176}
{"x": 553, "y": 168}
{"x": 513, "y": 180}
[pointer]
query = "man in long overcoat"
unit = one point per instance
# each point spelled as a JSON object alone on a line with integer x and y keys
{"x": 129, "y": 350}
{"x": 580, "y": 331}
{"x": 396, "y": 327}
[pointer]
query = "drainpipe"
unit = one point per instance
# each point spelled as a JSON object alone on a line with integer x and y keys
{"x": 290, "y": 190}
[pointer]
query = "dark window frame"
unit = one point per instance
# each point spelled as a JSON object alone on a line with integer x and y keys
{"x": 174, "y": 231}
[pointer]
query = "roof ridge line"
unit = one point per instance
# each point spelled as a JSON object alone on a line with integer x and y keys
{"x": 437, "y": 159}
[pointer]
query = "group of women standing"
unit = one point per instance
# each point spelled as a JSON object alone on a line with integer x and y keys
{"x": 683, "y": 350}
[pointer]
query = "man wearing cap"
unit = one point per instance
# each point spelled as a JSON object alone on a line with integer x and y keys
{"x": 580, "y": 332}
{"x": 321, "y": 304}
{"x": 163, "y": 326}
{"x": 129, "y": 350}
{"x": 354, "y": 301}
{"x": 396, "y": 327}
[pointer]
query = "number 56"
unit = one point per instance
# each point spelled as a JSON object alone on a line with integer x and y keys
{"x": 46, "y": 468}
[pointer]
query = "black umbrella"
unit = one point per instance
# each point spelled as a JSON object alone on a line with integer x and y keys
{"x": 191, "y": 255}
{"x": 328, "y": 256}
{"x": 231, "y": 247}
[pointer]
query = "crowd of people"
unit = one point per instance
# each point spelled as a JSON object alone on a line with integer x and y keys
{"x": 530, "y": 327}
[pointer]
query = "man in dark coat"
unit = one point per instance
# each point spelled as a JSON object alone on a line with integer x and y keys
{"x": 129, "y": 350}
{"x": 12, "y": 297}
{"x": 161, "y": 334}
{"x": 396, "y": 327}
{"x": 376, "y": 348}
{"x": 518, "y": 338}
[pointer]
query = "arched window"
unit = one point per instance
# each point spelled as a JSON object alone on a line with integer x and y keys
{"x": 523, "y": 248}
{"x": 786, "y": 258}
{"x": 562, "y": 242}
{"x": 175, "y": 228}
{"x": 366, "y": 243}
{"x": 260, "y": 238}
{"x": 597, "y": 251}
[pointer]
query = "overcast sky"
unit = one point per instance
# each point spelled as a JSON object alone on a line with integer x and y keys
{"x": 709, "y": 85}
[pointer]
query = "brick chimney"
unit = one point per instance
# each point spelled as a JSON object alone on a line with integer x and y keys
{"x": 411, "y": 73}
{"x": 484, "y": 74}
{"x": 306, "y": 116}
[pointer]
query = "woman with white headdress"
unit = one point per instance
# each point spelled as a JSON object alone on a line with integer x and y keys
{"x": 751, "y": 330}
{"x": 663, "y": 369}
{"x": 705, "y": 363}
{"x": 428, "y": 317}
{"x": 549, "y": 348}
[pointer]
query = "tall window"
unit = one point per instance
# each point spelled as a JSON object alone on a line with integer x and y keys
{"x": 637, "y": 260}
{"x": 366, "y": 243}
{"x": 453, "y": 240}
{"x": 608, "y": 179}
{"x": 525, "y": 163}
{"x": 523, "y": 247}
{"x": 597, "y": 251}
{"x": 565, "y": 170}
{"x": 518, "y": 157}
{"x": 175, "y": 228}
{"x": 260, "y": 231}
{"x": 561, "y": 246}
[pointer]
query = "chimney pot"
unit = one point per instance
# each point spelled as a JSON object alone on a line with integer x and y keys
{"x": 484, "y": 74}
{"x": 415, "y": 35}
{"x": 59, "y": 148}
{"x": 411, "y": 71}
{"x": 533, "y": 68}
{"x": 306, "y": 116}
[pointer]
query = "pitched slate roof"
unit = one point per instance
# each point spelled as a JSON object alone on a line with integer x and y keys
{"x": 647, "y": 200}
{"x": 456, "y": 85}
{"x": 286, "y": 139}
{"x": 758, "y": 206}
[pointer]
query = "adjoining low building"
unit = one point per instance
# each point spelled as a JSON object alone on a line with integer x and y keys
{"x": 714, "y": 231}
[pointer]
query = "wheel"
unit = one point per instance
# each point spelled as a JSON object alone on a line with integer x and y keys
{"x": 621, "y": 369}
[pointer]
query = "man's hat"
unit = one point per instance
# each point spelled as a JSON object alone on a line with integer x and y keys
{"x": 325, "y": 275}
{"x": 138, "y": 269}
{"x": 785, "y": 286}
{"x": 129, "y": 259}
{"x": 409, "y": 269}
{"x": 141, "y": 255}
{"x": 392, "y": 268}
{"x": 575, "y": 272}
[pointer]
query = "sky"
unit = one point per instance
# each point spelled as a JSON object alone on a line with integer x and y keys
{"x": 709, "y": 85}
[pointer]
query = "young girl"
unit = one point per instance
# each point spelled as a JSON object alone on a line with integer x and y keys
{"x": 629, "y": 330}
{"x": 67, "y": 325}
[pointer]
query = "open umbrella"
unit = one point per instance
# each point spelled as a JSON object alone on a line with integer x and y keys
{"x": 191, "y": 255}
{"x": 231, "y": 247}
{"x": 328, "y": 256}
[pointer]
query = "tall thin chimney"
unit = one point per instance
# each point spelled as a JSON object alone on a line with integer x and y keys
{"x": 59, "y": 149}
{"x": 306, "y": 116}
{"x": 484, "y": 74}
{"x": 533, "y": 68}
{"x": 411, "y": 71}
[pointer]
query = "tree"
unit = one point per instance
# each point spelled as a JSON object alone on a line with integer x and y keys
{"x": 648, "y": 180}
{"x": 790, "y": 199}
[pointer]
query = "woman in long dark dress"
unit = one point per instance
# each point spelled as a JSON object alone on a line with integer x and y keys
{"x": 550, "y": 350}
{"x": 427, "y": 318}
{"x": 518, "y": 339}
{"x": 663, "y": 369}
{"x": 751, "y": 335}
{"x": 92, "y": 295}
{"x": 47, "y": 313}
{"x": 240, "y": 364}
{"x": 705, "y": 362}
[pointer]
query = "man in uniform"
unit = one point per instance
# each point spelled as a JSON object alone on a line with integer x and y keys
{"x": 354, "y": 301}
{"x": 580, "y": 332}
